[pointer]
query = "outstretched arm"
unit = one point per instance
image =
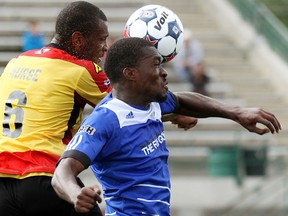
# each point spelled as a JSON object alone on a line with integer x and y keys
{"x": 65, "y": 185}
{"x": 200, "y": 106}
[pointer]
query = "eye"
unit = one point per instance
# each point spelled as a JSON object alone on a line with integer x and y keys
{"x": 157, "y": 64}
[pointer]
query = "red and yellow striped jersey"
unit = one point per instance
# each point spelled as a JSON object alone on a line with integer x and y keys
{"x": 43, "y": 93}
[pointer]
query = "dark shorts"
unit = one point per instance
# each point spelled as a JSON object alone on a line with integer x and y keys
{"x": 34, "y": 196}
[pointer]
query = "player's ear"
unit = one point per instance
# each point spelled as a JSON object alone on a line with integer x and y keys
{"x": 77, "y": 40}
{"x": 130, "y": 73}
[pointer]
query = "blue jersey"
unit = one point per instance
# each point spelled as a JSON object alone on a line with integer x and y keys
{"x": 126, "y": 149}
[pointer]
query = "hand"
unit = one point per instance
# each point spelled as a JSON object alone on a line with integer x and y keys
{"x": 184, "y": 122}
{"x": 87, "y": 198}
{"x": 250, "y": 117}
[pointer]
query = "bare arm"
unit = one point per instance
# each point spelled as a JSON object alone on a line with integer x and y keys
{"x": 65, "y": 185}
{"x": 185, "y": 122}
{"x": 200, "y": 106}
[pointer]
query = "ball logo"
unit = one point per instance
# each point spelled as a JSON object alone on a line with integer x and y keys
{"x": 148, "y": 14}
{"x": 175, "y": 29}
{"x": 161, "y": 21}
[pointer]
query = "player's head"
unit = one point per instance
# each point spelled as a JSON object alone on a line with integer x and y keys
{"x": 123, "y": 54}
{"x": 136, "y": 64}
{"x": 81, "y": 28}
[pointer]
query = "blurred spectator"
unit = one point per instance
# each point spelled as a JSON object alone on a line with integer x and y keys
{"x": 32, "y": 39}
{"x": 189, "y": 63}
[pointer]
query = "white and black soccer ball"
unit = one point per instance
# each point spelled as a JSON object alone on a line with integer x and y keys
{"x": 159, "y": 25}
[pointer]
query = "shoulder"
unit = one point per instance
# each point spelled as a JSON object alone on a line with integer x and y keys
{"x": 171, "y": 104}
{"x": 103, "y": 114}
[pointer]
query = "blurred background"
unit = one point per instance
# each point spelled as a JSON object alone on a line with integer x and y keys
{"x": 217, "y": 168}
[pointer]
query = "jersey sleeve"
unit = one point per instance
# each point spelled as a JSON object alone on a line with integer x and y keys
{"x": 94, "y": 132}
{"x": 170, "y": 104}
{"x": 93, "y": 85}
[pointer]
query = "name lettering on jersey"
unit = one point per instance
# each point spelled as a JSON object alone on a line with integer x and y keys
{"x": 150, "y": 147}
{"x": 87, "y": 129}
{"x": 29, "y": 74}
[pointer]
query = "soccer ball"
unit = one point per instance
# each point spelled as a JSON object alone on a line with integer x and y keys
{"x": 159, "y": 25}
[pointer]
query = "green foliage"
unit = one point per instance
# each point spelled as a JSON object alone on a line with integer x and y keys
{"x": 266, "y": 25}
{"x": 279, "y": 9}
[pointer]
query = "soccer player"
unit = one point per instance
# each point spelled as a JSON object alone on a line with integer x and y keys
{"x": 43, "y": 93}
{"x": 123, "y": 140}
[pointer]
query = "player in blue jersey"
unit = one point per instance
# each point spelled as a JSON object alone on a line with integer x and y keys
{"x": 123, "y": 140}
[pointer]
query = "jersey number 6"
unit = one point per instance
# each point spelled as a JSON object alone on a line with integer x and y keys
{"x": 13, "y": 116}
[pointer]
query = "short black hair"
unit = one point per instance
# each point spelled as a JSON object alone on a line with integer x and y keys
{"x": 77, "y": 16}
{"x": 126, "y": 52}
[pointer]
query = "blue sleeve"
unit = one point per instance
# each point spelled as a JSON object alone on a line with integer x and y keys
{"x": 94, "y": 132}
{"x": 170, "y": 104}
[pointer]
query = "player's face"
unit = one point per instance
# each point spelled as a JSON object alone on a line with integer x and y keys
{"x": 95, "y": 44}
{"x": 152, "y": 76}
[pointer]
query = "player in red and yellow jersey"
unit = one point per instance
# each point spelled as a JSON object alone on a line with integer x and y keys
{"x": 43, "y": 93}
